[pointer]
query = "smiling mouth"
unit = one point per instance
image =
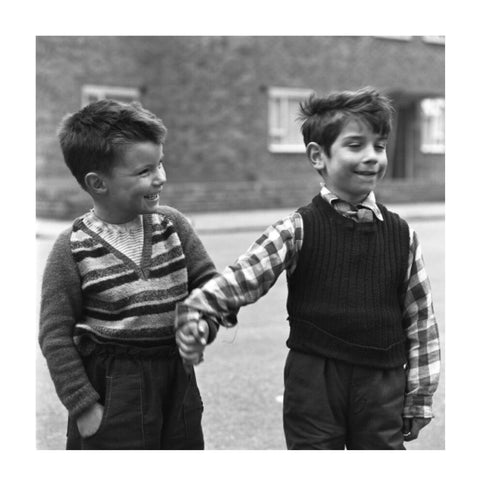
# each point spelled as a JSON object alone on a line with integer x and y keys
{"x": 367, "y": 173}
{"x": 152, "y": 196}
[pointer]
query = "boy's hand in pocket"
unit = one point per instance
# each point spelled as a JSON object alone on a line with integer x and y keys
{"x": 89, "y": 421}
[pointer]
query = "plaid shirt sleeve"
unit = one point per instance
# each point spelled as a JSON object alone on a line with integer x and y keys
{"x": 250, "y": 277}
{"x": 422, "y": 335}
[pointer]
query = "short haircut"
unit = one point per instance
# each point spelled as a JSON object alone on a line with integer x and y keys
{"x": 91, "y": 138}
{"x": 324, "y": 118}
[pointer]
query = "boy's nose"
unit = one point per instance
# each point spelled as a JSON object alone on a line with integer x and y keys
{"x": 370, "y": 155}
{"x": 158, "y": 181}
{"x": 160, "y": 177}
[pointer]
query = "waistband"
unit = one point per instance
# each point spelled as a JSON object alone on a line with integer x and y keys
{"x": 87, "y": 344}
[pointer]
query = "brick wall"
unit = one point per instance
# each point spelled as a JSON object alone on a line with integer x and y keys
{"x": 212, "y": 94}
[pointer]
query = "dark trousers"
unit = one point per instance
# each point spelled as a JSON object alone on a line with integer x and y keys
{"x": 150, "y": 401}
{"x": 332, "y": 405}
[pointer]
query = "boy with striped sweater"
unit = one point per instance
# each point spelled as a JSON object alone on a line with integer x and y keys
{"x": 364, "y": 357}
{"x": 110, "y": 287}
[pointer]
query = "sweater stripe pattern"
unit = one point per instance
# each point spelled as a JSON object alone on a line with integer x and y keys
{"x": 126, "y": 301}
{"x": 344, "y": 296}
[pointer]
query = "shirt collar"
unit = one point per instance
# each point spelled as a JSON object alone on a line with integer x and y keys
{"x": 369, "y": 202}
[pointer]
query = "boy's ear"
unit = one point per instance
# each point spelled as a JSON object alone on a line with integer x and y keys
{"x": 316, "y": 155}
{"x": 95, "y": 183}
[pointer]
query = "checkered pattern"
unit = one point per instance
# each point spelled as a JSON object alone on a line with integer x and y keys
{"x": 277, "y": 250}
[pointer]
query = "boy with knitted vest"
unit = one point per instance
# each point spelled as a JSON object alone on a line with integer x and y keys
{"x": 364, "y": 356}
{"x": 110, "y": 287}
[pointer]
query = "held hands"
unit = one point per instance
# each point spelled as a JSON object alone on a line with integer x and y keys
{"x": 412, "y": 426}
{"x": 89, "y": 421}
{"x": 191, "y": 340}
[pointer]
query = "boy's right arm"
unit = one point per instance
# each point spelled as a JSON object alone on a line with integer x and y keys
{"x": 246, "y": 281}
{"x": 61, "y": 309}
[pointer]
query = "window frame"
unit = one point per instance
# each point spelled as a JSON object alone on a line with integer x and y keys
{"x": 404, "y": 38}
{"x": 425, "y": 147}
{"x": 434, "y": 39}
{"x": 101, "y": 91}
{"x": 282, "y": 95}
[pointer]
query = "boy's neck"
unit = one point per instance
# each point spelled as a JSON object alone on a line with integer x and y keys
{"x": 349, "y": 199}
{"x": 106, "y": 216}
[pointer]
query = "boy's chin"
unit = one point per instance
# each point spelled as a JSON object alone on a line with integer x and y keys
{"x": 151, "y": 207}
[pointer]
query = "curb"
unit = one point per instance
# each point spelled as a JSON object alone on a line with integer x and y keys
{"x": 250, "y": 221}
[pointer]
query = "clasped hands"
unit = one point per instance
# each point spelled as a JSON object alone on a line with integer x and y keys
{"x": 191, "y": 338}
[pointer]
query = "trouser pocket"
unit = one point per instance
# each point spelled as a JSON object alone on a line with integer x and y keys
{"x": 122, "y": 424}
{"x": 183, "y": 424}
{"x": 192, "y": 416}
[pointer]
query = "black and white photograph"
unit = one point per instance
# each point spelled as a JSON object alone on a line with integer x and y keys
{"x": 236, "y": 153}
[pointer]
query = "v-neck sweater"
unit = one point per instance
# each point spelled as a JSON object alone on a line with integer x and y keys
{"x": 89, "y": 286}
{"x": 127, "y": 237}
{"x": 123, "y": 299}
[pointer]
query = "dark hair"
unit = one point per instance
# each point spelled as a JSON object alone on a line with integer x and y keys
{"x": 90, "y": 138}
{"x": 324, "y": 118}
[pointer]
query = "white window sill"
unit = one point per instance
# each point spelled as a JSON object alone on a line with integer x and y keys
{"x": 286, "y": 148}
{"x": 433, "y": 149}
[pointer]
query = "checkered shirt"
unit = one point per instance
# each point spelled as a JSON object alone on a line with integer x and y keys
{"x": 277, "y": 250}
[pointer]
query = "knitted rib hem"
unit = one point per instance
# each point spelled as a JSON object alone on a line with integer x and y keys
{"x": 308, "y": 338}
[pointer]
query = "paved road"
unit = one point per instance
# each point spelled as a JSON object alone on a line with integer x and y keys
{"x": 241, "y": 378}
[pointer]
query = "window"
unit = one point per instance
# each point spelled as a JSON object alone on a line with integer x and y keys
{"x": 284, "y": 128}
{"x": 434, "y": 39}
{"x": 395, "y": 37}
{"x": 432, "y": 115}
{"x": 91, "y": 93}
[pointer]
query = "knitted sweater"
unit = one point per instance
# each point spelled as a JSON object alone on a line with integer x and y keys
{"x": 343, "y": 298}
{"x": 89, "y": 286}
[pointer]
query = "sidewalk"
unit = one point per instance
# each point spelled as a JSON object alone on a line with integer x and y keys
{"x": 236, "y": 221}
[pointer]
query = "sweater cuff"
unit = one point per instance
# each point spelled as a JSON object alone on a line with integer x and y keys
{"x": 81, "y": 401}
{"x": 213, "y": 326}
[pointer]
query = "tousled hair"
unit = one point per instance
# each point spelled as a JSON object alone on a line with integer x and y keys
{"x": 324, "y": 118}
{"x": 91, "y": 137}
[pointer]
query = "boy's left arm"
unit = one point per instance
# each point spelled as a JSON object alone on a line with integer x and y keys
{"x": 423, "y": 367}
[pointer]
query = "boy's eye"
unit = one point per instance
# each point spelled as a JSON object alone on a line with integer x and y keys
{"x": 146, "y": 171}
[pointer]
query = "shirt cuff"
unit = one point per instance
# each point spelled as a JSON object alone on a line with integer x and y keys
{"x": 198, "y": 301}
{"x": 185, "y": 313}
{"x": 418, "y": 407}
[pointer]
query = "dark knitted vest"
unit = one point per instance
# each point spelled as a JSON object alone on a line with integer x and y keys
{"x": 344, "y": 295}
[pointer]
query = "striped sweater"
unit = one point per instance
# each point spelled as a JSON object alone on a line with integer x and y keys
{"x": 89, "y": 286}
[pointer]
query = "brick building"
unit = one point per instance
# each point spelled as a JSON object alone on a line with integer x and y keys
{"x": 230, "y": 105}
